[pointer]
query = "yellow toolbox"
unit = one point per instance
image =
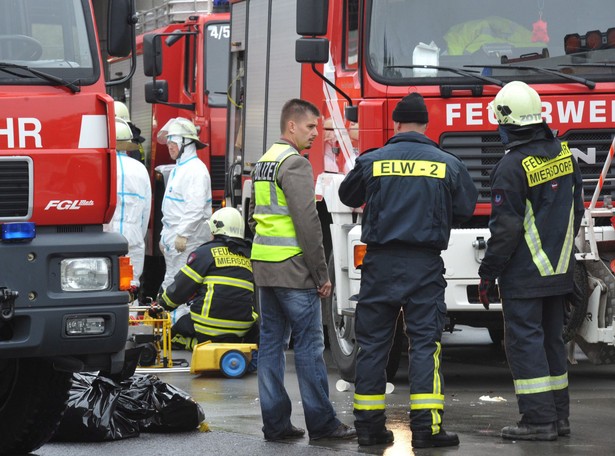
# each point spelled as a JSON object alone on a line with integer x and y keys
{"x": 232, "y": 360}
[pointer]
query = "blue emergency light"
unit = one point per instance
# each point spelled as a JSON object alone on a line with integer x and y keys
{"x": 220, "y": 6}
{"x": 23, "y": 231}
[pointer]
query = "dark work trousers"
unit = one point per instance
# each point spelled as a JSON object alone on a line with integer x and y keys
{"x": 537, "y": 357}
{"x": 391, "y": 280}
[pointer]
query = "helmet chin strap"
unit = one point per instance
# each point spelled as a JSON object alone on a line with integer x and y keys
{"x": 183, "y": 146}
{"x": 181, "y": 150}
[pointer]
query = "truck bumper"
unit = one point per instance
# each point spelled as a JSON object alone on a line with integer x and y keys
{"x": 38, "y": 326}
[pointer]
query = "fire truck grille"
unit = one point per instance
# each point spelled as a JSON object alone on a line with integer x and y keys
{"x": 15, "y": 191}
{"x": 481, "y": 152}
{"x": 217, "y": 172}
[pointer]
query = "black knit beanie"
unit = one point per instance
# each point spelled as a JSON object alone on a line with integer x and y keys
{"x": 411, "y": 108}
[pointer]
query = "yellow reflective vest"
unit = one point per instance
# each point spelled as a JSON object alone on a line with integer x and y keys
{"x": 275, "y": 239}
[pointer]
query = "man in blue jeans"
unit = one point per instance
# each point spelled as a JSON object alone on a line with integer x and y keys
{"x": 289, "y": 267}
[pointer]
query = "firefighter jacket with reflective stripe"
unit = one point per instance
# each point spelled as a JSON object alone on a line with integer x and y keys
{"x": 217, "y": 282}
{"x": 275, "y": 239}
{"x": 433, "y": 190}
{"x": 536, "y": 211}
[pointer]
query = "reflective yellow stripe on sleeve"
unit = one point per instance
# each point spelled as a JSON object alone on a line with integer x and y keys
{"x": 369, "y": 401}
{"x": 192, "y": 274}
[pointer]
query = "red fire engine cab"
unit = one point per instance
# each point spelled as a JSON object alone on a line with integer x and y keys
{"x": 355, "y": 59}
{"x": 182, "y": 71}
{"x": 63, "y": 307}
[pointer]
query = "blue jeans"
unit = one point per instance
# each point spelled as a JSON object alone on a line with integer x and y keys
{"x": 282, "y": 311}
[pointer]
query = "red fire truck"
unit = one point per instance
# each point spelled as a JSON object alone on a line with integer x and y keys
{"x": 190, "y": 71}
{"x": 359, "y": 57}
{"x": 63, "y": 304}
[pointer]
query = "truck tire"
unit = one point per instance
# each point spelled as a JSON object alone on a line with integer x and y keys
{"x": 576, "y": 303}
{"x": 340, "y": 331}
{"x": 342, "y": 341}
{"x": 496, "y": 333}
{"x": 600, "y": 352}
{"x": 33, "y": 398}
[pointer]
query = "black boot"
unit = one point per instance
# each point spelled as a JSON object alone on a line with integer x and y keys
{"x": 383, "y": 437}
{"x": 425, "y": 439}
{"x": 527, "y": 431}
{"x": 563, "y": 427}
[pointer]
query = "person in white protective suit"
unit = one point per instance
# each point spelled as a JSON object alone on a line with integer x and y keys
{"x": 134, "y": 199}
{"x": 121, "y": 111}
{"x": 186, "y": 205}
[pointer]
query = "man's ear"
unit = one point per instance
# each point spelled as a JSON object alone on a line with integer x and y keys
{"x": 291, "y": 126}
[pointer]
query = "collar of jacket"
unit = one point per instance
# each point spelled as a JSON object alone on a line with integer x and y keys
{"x": 235, "y": 245}
{"x": 514, "y": 136}
{"x": 411, "y": 136}
{"x": 188, "y": 154}
{"x": 286, "y": 141}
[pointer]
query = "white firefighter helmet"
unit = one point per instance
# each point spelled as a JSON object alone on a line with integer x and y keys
{"x": 180, "y": 126}
{"x": 123, "y": 136}
{"x": 121, "y": 111}
{"x": 517, "y": 104}
{"x": 227, "y": 221}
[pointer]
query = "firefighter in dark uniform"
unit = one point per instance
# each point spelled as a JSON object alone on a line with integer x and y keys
{"x": 217, "y": 282}
{"x": 414, "y": 192}
{"x": 537, "y": 207}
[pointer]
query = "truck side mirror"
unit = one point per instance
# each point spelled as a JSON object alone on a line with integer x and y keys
{"x": 312, "y": 17}
{"x": 152, "y": 55}
{"x": 157, "y": 91}
{"x": 312, "y": 50}
{"x": 120, "y": 27}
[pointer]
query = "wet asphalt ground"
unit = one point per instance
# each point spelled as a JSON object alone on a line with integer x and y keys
{"x": 480, "y": 401}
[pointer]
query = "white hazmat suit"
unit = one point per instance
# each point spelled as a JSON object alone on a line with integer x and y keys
{"x": 131, "y": 216}
{"x": 186, "y": 207}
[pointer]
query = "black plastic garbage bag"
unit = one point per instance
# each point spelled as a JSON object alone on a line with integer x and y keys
{"x": 175, "y": 410}
{"x": 101, "y": 409}
{"x": 98, "y": 410}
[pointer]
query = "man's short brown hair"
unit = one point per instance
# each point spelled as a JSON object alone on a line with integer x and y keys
{"x": 294, "y": 109}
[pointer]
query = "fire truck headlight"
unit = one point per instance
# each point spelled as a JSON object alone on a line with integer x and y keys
{"x": 85, "y": 274}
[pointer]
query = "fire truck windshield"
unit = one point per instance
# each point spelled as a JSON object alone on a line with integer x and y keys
{"x": 54, "y": 39}
{"x": 408, "y": 40}
{"x": 216, "y": 62}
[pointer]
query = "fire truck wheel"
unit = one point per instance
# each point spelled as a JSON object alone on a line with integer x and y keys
{"x": 600, "y": 352}
{"x": 342, "y": 342}
{"x": 33, "y": 397}
{"x": 340, "y": 331}
{"x": 234, "y": 364}
{"x": 576, "y": 303}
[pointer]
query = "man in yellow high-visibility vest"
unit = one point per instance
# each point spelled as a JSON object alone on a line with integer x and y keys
{"x": 290, "y": 270}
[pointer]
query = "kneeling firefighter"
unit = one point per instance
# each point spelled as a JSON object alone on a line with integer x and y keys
{"x": 218, "y": 285}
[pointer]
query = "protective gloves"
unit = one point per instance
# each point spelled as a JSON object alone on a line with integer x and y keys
{"x": 180, "y": 243}
{"x": 485, "y": 288}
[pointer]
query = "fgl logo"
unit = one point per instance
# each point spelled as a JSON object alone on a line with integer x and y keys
{"x": 68, "y": 205}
